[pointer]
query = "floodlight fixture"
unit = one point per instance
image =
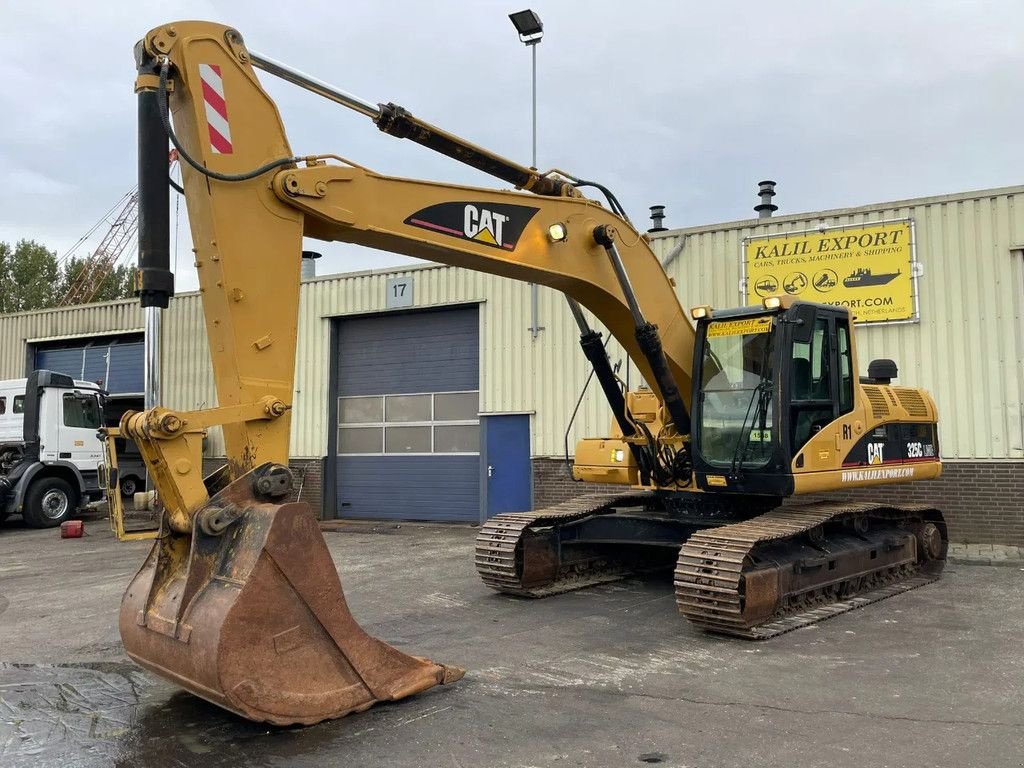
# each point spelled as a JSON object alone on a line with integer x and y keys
{"x": 528, "y": 25}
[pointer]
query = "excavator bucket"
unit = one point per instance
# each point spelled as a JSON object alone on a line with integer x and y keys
{"x": 248, "y": 613}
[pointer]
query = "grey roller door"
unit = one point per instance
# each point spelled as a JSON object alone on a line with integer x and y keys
{"x": 116, "y": 364}
{"x": 406, "y": 397}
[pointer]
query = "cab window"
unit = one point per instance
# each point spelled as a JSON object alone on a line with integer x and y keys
{"x": 845, "y": 368}
{"x": 737, "y": 382}
{"x": 810, "y": 386}
{"x": 81, "y": 411}
{"x": 810, "y": 375}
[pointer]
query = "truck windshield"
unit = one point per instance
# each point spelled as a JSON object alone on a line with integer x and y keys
{"x": 737, "y": 384}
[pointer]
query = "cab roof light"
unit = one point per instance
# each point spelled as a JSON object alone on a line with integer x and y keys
{"x": 779, "y": 301}
{"x": 699, "y": 313}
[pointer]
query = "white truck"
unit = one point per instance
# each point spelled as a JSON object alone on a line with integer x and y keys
{"x": 50, "y": 448}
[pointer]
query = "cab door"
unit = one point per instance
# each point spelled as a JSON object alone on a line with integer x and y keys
{"x": 820, "y": 376}
{"x": 79, "y": 419}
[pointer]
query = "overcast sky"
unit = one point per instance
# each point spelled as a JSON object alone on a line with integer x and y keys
{"x": 685, "y": 104}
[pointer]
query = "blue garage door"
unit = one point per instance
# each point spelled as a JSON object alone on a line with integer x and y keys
{"x": 113, "y": 363}
{"x": 407, "y": 400}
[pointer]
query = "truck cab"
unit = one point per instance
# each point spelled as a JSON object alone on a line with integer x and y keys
{"x": 49, "y": 446}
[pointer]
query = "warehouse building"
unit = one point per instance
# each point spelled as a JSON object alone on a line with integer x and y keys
{"x": 433, "y": 393}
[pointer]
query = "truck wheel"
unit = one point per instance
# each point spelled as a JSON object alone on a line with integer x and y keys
{"x": 49, "y": 502}
{"x": 129, "y": 485}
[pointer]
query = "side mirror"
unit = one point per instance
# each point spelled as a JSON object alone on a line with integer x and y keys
{"x": 802, "y": 317}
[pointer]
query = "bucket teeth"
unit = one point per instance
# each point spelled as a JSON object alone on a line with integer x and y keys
{"x": 452, "y": 674}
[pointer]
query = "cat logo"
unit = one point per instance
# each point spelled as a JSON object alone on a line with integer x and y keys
{"x": 875, "y": 453}
{"x": 496, "y": 225}
{"x": 484, "y": 225}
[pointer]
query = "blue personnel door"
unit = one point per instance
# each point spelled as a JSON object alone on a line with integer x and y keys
{"x": 505, "y": 464}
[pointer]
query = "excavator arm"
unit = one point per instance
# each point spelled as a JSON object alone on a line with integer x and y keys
{"x": 239, "y": 600}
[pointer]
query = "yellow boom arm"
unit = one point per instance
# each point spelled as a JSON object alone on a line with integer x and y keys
{"x": 248, "y": 234}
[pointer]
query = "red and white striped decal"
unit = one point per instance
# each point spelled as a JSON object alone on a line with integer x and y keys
{"x": 216, "y": 109}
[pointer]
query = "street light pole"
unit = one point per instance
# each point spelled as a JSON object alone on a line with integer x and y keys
{"x": 533, "y": 46}
{"x": 531, "y": 30}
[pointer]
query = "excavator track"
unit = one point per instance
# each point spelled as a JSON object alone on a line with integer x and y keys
{"x": 743, "y": 580}
{"x": 503, "y": 539}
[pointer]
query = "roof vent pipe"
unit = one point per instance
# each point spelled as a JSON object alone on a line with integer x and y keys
{"x": 308, "y": 265}
{"x": 766, "y": 191}
{"x": 657, "y": 219}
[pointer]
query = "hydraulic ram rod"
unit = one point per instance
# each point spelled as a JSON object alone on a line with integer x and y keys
{"x": 593, "y": 348}
{"x": 397, "y": 121}
{"x": 313, "y": 84}
{"x": 647, "y": 337}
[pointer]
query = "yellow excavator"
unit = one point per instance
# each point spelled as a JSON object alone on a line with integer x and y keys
{"x": 239, "y": 600}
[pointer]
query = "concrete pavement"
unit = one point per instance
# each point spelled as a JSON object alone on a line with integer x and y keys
{"x": 610, "y": 676}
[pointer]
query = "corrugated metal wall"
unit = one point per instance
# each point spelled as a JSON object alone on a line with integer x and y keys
{"x": 186, "y": 374}
{"x": 968, "y": 348}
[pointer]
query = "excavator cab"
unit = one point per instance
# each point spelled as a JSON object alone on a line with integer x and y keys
{"x": 767, "y": 379}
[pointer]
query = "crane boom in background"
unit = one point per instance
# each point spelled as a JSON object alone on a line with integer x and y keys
{"x": 118, "y": 246}
{"x": 119, "y": 241}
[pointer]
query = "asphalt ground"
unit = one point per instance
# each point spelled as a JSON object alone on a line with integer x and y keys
{"x": 608, "y": 676}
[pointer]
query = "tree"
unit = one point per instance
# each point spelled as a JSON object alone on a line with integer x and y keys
{"x": 29, "y": 277}
{"x": 117, "y": 284}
